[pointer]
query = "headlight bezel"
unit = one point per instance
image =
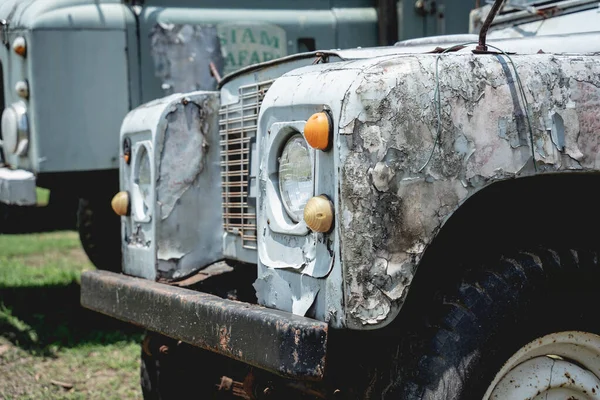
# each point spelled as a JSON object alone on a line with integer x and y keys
{"x": 274, "y": 212}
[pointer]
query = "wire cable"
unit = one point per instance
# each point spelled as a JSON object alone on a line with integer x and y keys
{"x": 438, "y": 101}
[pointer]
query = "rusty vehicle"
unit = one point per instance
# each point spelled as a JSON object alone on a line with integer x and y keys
{"x": 72, "y": 69}
{"x": 404, "y": 222}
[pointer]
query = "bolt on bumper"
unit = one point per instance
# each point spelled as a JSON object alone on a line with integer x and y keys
{"x": 277, "y": 341}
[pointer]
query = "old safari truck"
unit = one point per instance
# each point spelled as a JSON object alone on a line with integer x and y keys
{"x": 406, "y": 222}
{"x": 72, "y": 69}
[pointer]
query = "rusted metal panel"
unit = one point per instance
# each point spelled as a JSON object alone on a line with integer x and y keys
{"x": 276, "y": 341}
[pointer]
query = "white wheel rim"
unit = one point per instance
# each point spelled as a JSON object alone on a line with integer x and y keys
{"x": 564, "y": 365}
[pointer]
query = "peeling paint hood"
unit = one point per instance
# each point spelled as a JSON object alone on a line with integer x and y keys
{"x": 581, "y": 43}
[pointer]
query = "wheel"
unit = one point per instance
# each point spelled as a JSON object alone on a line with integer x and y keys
{"x": 564, "y": 365}
{"x": 99, "y": 233}
{"x": 534, "y": 306}
{"x": 61, "y": 210}
{"x": 170, "y": 369}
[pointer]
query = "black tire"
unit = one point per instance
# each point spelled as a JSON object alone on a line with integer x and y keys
{"x": 468, "y": 333}
{"x": 99, "y": 233}
{"x": 61, "y": 211}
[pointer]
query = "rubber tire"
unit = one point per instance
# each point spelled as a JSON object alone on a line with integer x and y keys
{"x": 99, "y": 233}
{"x": 61, "y": 210}
{"x": 469, "y": 332}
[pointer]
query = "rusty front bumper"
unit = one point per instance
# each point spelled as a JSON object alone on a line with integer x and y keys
{"x": 277, "y": 341}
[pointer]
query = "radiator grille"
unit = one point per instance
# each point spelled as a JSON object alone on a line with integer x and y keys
{"x": 237, "y": 125}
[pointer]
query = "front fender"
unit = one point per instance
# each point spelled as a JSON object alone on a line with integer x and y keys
{"x": 175, "y": 226}
{"x": 397, "y": 188}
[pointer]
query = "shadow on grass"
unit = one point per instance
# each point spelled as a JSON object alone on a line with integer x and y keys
{"x": 37, "y": 319}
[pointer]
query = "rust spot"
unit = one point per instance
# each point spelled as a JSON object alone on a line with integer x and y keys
{"x": 224, "y": 338}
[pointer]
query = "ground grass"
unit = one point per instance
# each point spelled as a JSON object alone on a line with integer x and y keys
{"x": 43, "y": 196}
{"x": 50, "y": 347}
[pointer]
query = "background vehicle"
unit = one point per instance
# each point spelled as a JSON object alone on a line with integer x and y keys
{"x": 400, "y": 222}
{"x": 526, "y": 18}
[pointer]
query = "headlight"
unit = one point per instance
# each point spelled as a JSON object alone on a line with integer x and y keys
{"x": 142, "y": 180}
{"x": 295, "y": 176}
{"x": 15, "y": 129}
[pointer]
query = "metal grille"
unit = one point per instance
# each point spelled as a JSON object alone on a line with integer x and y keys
{"x": 237, "y": 125}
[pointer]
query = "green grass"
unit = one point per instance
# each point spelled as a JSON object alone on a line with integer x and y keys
{"x": 45, "y": 336}
{"x": 41, "y": 259}
{"x": 43, "y": 196}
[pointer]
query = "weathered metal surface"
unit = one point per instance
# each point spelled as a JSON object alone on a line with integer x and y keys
{"x": 388, "y": 205}
{"x": 251, "y": 33}
{"x": 215, "y": 269}
{"x": 182, "y": 55}
{"x": 181, "y": 232}
{"x": 273, "y": 340}
{"x": 17, "y": 187}
{"x": 241, "y": 98}
{"x": 72, "y": 44}
{"x": 393, "y": 202}
{"x": 40, "y": 14}
{"x": 563, "y": 365}
{"x": 551, "y": 18}
{"x": 571, "y": 43}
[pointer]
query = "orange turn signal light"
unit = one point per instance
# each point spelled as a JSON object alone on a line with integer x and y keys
{"x": 317, "y": 131}
{"x": 120, "y": 204}
{"x": 127, "y": 150}
{"x": 318, "y": 214}
{"x": 19, "y": 46}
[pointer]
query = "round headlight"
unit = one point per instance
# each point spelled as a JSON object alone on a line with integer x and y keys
{"x": 295, "y": 176}
{"x": 142, "y": 179}
{"x": 15, "y": 129}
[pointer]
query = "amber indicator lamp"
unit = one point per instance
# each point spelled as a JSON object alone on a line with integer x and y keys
{"x": 120, "y": 204}
{"x": 318, "y": 131}
{"x": 127, "y": 150}
{"x": 318, "y": 214}
{"x": 19, "y": 46}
